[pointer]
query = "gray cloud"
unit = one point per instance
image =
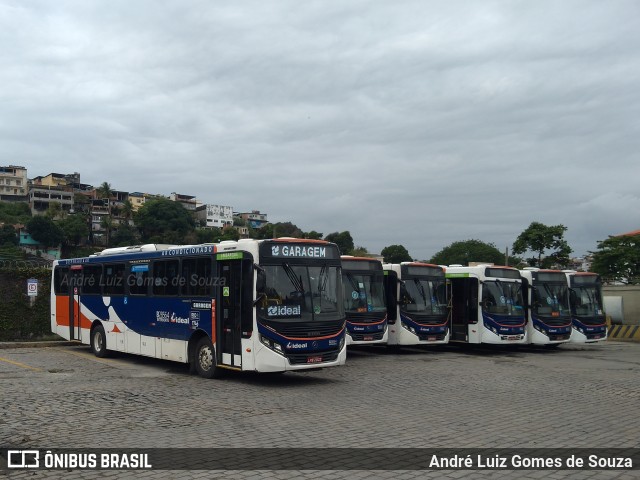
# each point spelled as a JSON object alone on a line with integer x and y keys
{"x": 419, "y": 123}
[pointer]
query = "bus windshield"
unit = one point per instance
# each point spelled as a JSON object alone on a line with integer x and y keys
{"x": 550, "y": 300}
{"x": 586, "y": 301}
{"x": 424, "y": 296}
{"x": 300, "y": 293}
{"x": 502, "y": 298}
{"x": 363, "y": 292}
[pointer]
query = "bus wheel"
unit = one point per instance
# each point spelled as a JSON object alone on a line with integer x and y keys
{"x": 99, "y": 342}
{"x": 205, "y": 359}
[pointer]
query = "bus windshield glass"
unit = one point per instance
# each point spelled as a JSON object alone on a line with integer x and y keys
{"x": 363, "y": 292}
{"x": 300, "y": 293}
{"x": 586, "y": 301}
{"x": 423, "y": 296}
{"x": 550, "y": 300}
{"x": 502, "y": 298}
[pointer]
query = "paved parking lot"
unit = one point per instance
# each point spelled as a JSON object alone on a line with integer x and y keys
{"x": 575, "y": 396}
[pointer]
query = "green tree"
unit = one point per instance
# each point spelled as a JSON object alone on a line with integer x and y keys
{"x": 163, "y": 221}
{"x": 396, "y": 254}
{"x": 265, "y": 232}
{"x": 286, "y": 229}
{"x": 44, "y": 231}
{"x": 618, "y": 259}
{"x": 107, "y": 224}
{"x": 54, "y": 211}
{"x": 360, "y": 252}
{"x": 540, "y": 238}
{"x": 14, "y": 212}
{"x": 344, "y": 240}
{"x": 312, "y": 235}
{"x": 230, "y": 234}
{"x": 105, "y": 190}
{"x": 124, "y": 236}
{"x": 127, "y": 210}
{"x": 463, "y": 252}
{"x": 8, "y": 236}
{"x": 207, "y": 235}
{"x": 75, "y": 228}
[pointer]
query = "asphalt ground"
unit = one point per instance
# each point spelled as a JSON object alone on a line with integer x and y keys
{"x": 445, "y": 397}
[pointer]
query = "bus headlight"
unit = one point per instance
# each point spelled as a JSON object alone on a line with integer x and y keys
{"x": 271, "y": 345}
{"x": 342, "y": 340}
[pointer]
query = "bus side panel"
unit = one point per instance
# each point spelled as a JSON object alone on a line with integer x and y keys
{"x": 157, "y": 327}
{"x": 60, "y": 319}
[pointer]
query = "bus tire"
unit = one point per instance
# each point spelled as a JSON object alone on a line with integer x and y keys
{"x": 99, "y": 342}
{"x": 205, "y": 359}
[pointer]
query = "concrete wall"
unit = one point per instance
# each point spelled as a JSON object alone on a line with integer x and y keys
{"x": 630, "y": 298}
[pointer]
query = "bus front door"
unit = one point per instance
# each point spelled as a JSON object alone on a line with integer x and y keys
{"x": 75, "y": 284}
{"x": 229, "y": 334}
{"x": 464, "y": 307}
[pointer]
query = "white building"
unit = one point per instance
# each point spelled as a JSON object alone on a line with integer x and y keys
{"x": 13, "y": 183}
{"x": 217, "y": 216}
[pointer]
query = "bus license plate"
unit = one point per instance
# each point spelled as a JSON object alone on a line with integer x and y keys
{"x": 431, "y": 339}
{"x": 513, "y": 337}
{"x": 597, "y": 336}
{"x": 316, "y": 359}
{"x": 368, "y": 338}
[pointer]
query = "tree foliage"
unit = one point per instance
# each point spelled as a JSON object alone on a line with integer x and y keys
{"x": 618, "y": 259}
{"x": 75, "y": 228}
{"x": 360, "y": 251}
{"x": 8, "y": 235}
{"x": 105, "y": 190}
{"x": 540, "y": 238}
{"x": 344, "y": 240}
{"x": 123, "y": 236}
{"x": 14, "y": 212}
{"x": 44, "y": 231}
{"x": 396, "y": 254}
{"x": 163, "y": 221}
{"x": 313, "y": 235}
{"x": 466, "y": 251}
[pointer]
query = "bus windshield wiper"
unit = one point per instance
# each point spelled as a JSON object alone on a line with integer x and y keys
{"x": 353, "y": 282}
{"x": 322, "y": 281}
{"x": 295, "y": 281}
{"x": 420, "y": 288}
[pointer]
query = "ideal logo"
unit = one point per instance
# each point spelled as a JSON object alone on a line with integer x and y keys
{"x": 176, "y": 319}
{"x": 275, "y": 251}
{"x": 296, "y": 345}
{"x": 284, "y": 311}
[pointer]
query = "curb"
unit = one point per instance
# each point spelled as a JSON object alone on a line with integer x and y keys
{"x": 53, "y": 343}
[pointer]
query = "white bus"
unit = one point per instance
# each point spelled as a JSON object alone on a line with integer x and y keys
{"x": 416, "y": 304}
{"x": 548, "y": 310}
{"x": 260, "y": 305}
{"x": 364, "y": 302}
{"x": 585, "y": 296}
{"x": 487, "y": 305}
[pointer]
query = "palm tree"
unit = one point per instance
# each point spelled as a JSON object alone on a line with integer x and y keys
{"x": 107, "y": 224}
{"x": 127, "y": 210}
{"x": 105, "y": 190}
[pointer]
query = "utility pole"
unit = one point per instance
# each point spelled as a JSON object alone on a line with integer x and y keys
{"x": 506, "y": 256}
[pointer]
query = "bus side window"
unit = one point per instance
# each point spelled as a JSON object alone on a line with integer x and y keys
{"x": 61, "y": 281}
{"x": 196, "y": 277}
{"x": 138, "y": 279}
{"x": 166, "y": 278}
{"x": 114, "y": 279}
{"x": 92, "y": 280}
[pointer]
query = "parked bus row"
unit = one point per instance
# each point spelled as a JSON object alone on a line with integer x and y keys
{"x": 294, "y": 304}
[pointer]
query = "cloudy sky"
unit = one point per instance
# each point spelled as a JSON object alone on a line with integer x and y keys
{"x": 412, "y": 122}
